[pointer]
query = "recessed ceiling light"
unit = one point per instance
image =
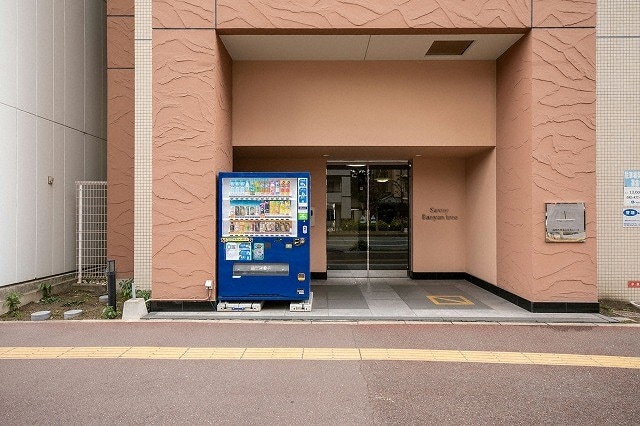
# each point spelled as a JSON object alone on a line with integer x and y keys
{"x": 356, "y": 165}
{"x": 325, "y": 155}
{"x": 418, "y": 155}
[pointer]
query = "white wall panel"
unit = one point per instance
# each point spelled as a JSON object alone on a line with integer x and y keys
{"x": 26, "y": 223}
{"x": 73, "y": 171}
{"x": 92, "y": 158}
{"x": 58, "y": 199}
{"x": 8, "y": 51}
{"x": 103, "y": 159}
{"x": 103, "y": 44}
{"x": 93, "y": 67}
{"x": 26, "y": 58}
{"x": 44, "y": 55}
{"x": 74, "y": 64}
{"x": 8, "y": 189}
{"x": 58, "y": 61}
{"x": 52, "y": 67}
{"x": 44, "y": 213}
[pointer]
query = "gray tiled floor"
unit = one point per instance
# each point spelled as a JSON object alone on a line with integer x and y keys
{"x": 349, "y": 298}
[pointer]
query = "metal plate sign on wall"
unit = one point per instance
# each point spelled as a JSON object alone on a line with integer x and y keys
{"x": 565, "y": 223}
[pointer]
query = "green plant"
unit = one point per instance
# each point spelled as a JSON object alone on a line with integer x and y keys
{"x": 13, "y": 303}
{"x": 109, "y": 313}
{"x": 46, "y": 290}
{"x": 73, "y": 303}
{"x": 145, "y": 294}
{"x": 46, "y": 294}
{"x": 125, "y": 288}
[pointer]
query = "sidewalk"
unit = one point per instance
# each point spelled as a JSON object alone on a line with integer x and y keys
{"x": 396, "y": 299}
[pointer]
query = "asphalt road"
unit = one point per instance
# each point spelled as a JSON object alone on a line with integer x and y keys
{"x": 281, "y": 391}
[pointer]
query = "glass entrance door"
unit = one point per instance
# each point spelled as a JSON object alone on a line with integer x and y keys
{"x": 368, "y": 219}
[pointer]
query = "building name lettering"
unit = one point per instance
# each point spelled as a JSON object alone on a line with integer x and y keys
{"x": 436, "y": 214}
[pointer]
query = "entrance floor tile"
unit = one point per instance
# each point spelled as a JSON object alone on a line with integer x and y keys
{"x": 354, "y": 298}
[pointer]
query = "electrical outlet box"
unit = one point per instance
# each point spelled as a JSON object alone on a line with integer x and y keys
{"x": 208, "y": 284}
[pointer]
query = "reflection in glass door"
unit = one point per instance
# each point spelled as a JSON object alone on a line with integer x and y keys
{"x": 368, "y": 218}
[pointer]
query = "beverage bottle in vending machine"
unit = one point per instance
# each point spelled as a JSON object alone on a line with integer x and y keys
{"x": 277, "y": 187}
{"x": 272, "y": 188}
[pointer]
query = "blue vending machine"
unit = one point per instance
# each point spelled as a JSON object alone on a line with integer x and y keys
{"x": 263, "y": 236}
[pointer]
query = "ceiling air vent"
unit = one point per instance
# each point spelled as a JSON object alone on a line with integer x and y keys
{"x": 448, "y": 47}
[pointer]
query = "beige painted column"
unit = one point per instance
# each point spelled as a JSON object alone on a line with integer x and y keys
{"x": 191, "y": 144}
{"x": 546, "y": 153}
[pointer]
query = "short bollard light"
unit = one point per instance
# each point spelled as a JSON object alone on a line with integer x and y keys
{"x": 111, "y": 282}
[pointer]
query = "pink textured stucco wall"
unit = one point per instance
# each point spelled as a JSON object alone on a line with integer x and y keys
{"x": 317, "y": 168}
{"x": 514, "y": 169}
{"x": 387, "y": 103}
{"x": 438, "y": 245}
{"x": 372, "y": 14}
{"x": 120, "y": 160}
{"x": 120, "y": 134}
{"x": 480, "y": 216}
{"x": 120, "y": 45}
{"x": 564, "y": 13}
{"x": 183, "y": 13}
{"x": 120, "y": 7}
{"x": 546, "y": 153}
{"x": 191, "y": 143}
{"x": 564, "y": 158}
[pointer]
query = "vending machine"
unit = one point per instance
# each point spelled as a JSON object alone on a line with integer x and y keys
{"x": 263, "y": 236}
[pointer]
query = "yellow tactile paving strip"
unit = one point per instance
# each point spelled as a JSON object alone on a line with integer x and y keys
{"x": 318, "y": 354}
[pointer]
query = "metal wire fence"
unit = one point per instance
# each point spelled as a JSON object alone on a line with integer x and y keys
{"x": 91, "y": 227}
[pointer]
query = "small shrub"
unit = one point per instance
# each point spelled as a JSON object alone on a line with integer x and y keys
{"x": 125, "y": 288}
{"x": 109, "y": 313}
{"x": 145, "y": 294}
{"x": 46, "y": 290}
{"x": 46, "y": 294}
{"x": 13, "y": 303}
{"x": 70, "y": 303}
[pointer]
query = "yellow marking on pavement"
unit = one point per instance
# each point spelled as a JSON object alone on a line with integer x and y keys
{"x": 450, "y": 300}
{"x": 273, "y": 353}
{"x": 332, "y": 354}
{"x": 318, "y": 354}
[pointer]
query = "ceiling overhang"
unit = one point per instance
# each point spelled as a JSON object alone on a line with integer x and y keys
{"x": 358, "y": 47}
{"x": 358, "y": 153}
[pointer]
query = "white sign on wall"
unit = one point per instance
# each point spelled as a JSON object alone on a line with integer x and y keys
{"x": 632, "y": 188}
{"x": 631, "y": 210}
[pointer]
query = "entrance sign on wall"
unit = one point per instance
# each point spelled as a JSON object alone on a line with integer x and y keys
{"x": 631, "y": 217}
{"x": 631, "y": 210}
{"x": 632, "y": 188}
{"x": 565, "y": 223}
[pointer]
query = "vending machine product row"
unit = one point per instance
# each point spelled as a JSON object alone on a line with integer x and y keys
{"x": 263, "y": 236}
